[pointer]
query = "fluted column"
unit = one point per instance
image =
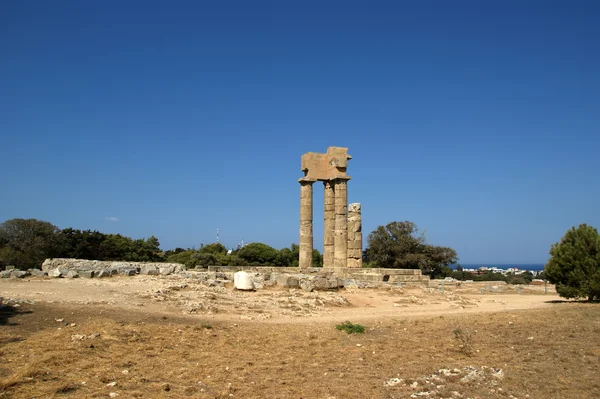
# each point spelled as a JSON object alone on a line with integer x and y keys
{"x": 340, "y": 256}
{"x": 328, "y": 224}
{"x": 354, "y": 236}
{"x": 306, "y": 222}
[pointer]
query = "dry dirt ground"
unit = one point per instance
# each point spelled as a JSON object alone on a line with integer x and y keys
{"x": 166, "y": 337}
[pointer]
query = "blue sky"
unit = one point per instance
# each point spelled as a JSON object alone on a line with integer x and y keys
{"x": 478, "y": 121}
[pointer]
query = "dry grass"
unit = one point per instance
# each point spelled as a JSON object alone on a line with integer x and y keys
{"x": 547, "y": 353}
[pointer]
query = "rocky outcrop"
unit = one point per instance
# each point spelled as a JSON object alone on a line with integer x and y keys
{"x": 63, "y": 267}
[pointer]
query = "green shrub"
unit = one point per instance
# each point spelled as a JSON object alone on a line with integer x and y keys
{"x": 351, "y": 328}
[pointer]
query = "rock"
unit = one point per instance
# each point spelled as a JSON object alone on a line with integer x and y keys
{"x": 149, "y": 270}
{"x": 56, "y": 273}
{"x": 86, "y": 273}
{"x": 166, "y": 270}
{"x": 37, "y": 272}
{"x": 268, "y": 283}
{"x": 215, "y": 283}
{"x": 104, "y": 273}
{"x": 10, "y": 268}
{"x": 72, "y": 274}
{"x": 352, "y": 283}
{"x": 307, "y": 284}
{"x": 5, "y": 273}
{"x": 77, "y": 337}
{"x": 19, "y": 274}
{"x": 320, "y": 284}
{"x": 287, "y": 281}
{"x": 243, "y": 281}
{"x": 222, "y": 276}
{"x": 129, "y": 271}
{"x": 335, "y": 283}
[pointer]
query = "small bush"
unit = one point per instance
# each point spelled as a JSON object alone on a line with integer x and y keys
{"x": 464, "y": 337}
{"x": 351, "y": 328}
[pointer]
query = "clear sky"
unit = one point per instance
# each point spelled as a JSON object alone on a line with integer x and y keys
{"x": 477, "y": 120}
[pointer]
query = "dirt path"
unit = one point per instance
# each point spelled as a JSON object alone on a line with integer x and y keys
{"x": 173, "y": 295}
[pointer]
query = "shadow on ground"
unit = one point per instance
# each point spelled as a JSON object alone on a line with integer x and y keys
{"x": 580, "y": 301}
{"x": 8, "y": 312}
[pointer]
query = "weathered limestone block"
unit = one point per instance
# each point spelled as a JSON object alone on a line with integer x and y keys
{"x": 5, "y": 273}
{"x": 166, "y": 270}
{"x": 286, "y": 281}
{"x": 58, "y": 272}
{"x": 150, "y": 270}
{"x": 72, "y": 274}
{"x": 104, "y": 273}
{"x": 19, "y": 274}
{"x": 243, "y": 281}
{"x": 87, "y": 273}
{"x": 328, "y": 166}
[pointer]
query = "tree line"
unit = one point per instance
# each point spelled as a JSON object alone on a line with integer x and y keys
{"x": 574, "y": 265}
{"x": 26, "y": 243}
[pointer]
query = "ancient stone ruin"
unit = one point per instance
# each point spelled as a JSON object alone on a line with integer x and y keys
{"x": 342, "y": 255}
{"x": 342, "y": 238}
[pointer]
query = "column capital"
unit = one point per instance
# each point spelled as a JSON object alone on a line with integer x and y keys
{"x": 306, "y": 180}
{"x": 340, "y": 178}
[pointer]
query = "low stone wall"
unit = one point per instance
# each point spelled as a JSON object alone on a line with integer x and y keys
{"x": 395, "y": 276}
{"x": 309, "y": 279}
{"x": 63, "y": 267}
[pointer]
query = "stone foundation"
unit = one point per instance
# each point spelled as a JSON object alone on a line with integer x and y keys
{"x": 309, "y": 279}
{"x": 60, "y": 267}
{"x": 411, "y": 277}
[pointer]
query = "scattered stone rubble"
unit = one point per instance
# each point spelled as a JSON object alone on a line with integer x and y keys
{"x": 11, "y": 272}
{"x": 445, "y": 383}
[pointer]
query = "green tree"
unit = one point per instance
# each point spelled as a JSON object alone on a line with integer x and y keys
{"x": 574, "y": 265}
{"x": 214, "y": 248}
{"x": 259, "y": 254}
{"x": 174, "y": 252}
{"x": 401, "y": 245}
{"x": 317, "y": 259}
{"x": 184, "y": 257}
{"x": 285, "y": 257}
{"x": 26, "y": 243}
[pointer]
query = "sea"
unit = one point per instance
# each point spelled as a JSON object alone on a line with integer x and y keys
{"x": 520, "y": 266}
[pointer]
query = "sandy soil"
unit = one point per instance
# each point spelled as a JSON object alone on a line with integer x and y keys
{"x": 166, "y": 337}
{"x": 176, "y": 295}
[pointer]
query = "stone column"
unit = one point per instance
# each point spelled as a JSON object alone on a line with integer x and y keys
{"x": 354, "y": 236}
{"x": 340, "y": 256}
{"x": 328, "y": 224}
{"x": 306, "y": 222}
